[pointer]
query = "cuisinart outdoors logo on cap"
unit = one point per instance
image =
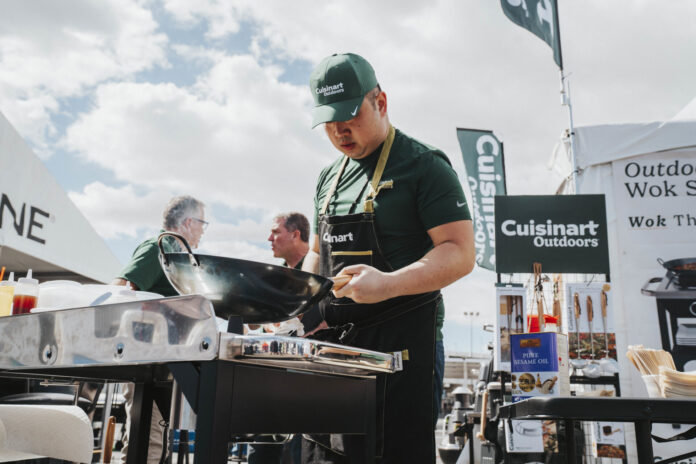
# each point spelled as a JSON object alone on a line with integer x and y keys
{"x": 550, "y": 234}
{"x": 330, "y": 89}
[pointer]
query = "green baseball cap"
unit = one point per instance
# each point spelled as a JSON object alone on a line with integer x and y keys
{"x": 339, "y": 84}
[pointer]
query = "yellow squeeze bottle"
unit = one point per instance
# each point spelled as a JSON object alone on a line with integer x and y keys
{"x": 7, "y": 288}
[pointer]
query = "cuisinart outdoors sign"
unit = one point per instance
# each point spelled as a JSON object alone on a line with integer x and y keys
{"x": 565, "y": 233}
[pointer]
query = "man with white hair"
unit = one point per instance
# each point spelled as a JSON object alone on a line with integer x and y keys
{"x": 184, "y": 215}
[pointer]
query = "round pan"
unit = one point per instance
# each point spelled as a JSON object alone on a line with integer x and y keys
{"x": 258, "y": 292}
{"x": 686, "y": 266}
{"x": 684, "y": 270}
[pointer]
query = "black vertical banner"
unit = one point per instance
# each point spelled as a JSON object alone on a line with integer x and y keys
{"x": 483, "y": 161}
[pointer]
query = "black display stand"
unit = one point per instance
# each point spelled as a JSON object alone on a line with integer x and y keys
{"x": 642, "y": 412}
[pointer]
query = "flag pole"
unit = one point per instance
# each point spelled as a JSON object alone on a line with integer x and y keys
{"x": 565, "y": 101}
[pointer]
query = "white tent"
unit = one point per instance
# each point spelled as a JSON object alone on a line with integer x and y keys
{"x": 40, "y": 227}
{"x": 648, "y": 174}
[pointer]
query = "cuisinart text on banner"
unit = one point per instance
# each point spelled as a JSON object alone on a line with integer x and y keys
{"x": 565, "y": 233}
{"x": 483, "y": 160}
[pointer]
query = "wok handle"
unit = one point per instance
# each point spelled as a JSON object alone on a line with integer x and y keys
{"x": 340, "y": 281}
{"x": 645, "y": 291}
{"x": 661, "y": 262}
{"x": 192, "y": 257}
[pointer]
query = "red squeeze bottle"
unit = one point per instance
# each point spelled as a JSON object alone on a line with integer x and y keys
{"x": 25, "y": 295}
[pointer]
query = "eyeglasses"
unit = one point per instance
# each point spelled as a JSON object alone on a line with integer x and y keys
{"x": 205, "y": 223}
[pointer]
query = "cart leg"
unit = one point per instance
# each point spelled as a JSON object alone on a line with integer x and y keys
{"x": 370, "y": 437}
{"x": 214, "y": 407}
{"x": 141, "y": 415}
{"x": 570, "y": 441}
{"x": 470, "y": 439}
{"x": 644, "y": 442}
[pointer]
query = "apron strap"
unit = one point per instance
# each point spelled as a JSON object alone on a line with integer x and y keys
{"x": 368, "y": 205}
{"x": 376, "y": 177}
{"x": 334, "y": 184}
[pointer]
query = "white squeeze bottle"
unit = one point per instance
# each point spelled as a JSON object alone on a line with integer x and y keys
{"x": 7, "y": 288}
{"x": 25, "y": 295}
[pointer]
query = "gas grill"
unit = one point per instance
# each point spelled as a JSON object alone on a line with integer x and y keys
{"x": 676, "y": 310}
{"x": 237, "y": 385}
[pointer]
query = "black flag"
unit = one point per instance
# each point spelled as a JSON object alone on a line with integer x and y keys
{"x": 540, "y": 17}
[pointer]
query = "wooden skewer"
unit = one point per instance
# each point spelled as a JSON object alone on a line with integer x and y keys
{"x": 576, "y": 305}
{"x": 604, "y": 303}
{"x": 484, "y": 411}
{"x": 109, "y": 439}
{"x": 540, "y": 315}
{"x": 557, "y": 303}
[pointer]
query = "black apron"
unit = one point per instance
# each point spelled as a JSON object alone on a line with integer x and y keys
{"x": 405, "y": 324}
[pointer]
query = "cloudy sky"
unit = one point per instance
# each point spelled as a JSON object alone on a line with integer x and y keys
{"x": 131, "y": 102}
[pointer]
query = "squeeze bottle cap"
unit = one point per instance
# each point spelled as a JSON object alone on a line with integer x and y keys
{"x": 28, "y": 280}
{"x": 9, "y": 281}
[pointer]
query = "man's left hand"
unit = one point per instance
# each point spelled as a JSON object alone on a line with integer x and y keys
{"x": 367, "y": 284}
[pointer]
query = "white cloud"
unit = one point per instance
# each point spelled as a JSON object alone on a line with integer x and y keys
{"x": 450, "y": 63}
{"x": 52, "y": 50}
{"x": 237, "y": 137}
{"x": 221, "y": 17}
{"x": 118, "y": 211}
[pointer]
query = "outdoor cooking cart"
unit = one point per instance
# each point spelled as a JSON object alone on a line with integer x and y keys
{"x": 236, "y": 384}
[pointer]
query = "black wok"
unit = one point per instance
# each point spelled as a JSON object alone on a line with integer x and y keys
{"x": 684, "y": 270}
{"x": 258, "y": 292}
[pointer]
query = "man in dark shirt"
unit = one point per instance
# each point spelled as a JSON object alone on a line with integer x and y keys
{"x": 290, "y": 238}
{"x": 391, "y": 214}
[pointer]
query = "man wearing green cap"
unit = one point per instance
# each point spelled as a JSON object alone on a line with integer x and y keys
{"x": 391, "y": 214}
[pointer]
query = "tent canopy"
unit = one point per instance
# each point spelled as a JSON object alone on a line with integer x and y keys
{"x": 40, "y": 227}
{"x": 599, "y": 144}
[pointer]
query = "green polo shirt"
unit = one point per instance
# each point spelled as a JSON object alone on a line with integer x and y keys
{"x": 426, "y": 193}
{"x": 144, "y": 269}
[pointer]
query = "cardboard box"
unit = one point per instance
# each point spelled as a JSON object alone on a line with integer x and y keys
{"x": 539, "y": 365}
